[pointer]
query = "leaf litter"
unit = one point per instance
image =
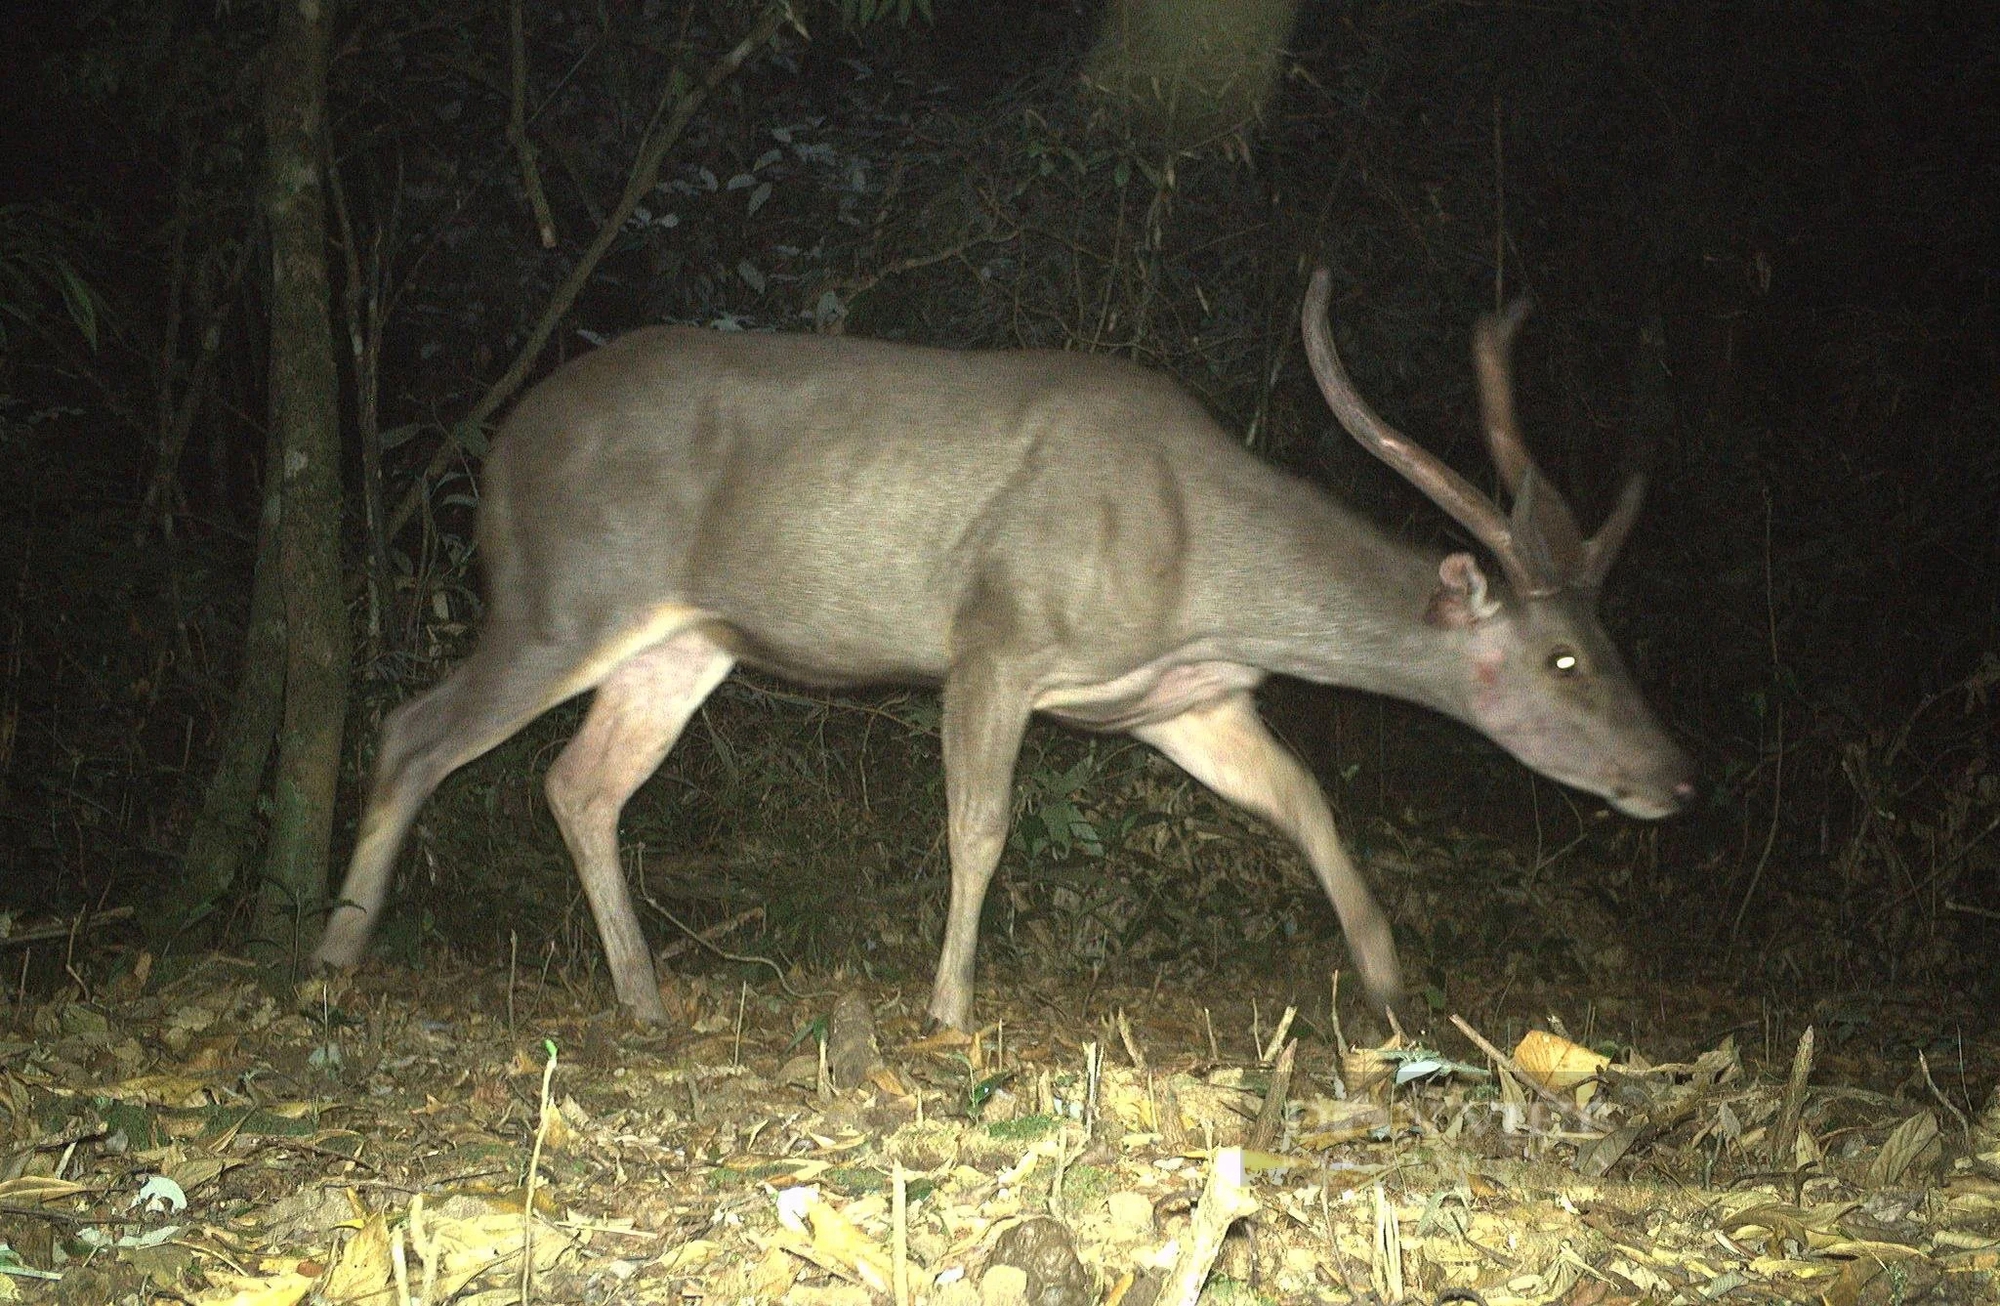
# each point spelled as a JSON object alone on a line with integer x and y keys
{"x": 403, "y": 1138}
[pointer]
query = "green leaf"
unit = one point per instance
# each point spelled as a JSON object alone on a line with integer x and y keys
{"x": 1077, "y": 776}
{"x": 81, "y": 301}
{"x": 471, "y": 437}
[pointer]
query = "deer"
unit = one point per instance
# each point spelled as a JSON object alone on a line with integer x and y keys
{"x": 1031, "y": 531}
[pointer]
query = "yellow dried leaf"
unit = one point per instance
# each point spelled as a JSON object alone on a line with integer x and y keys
{"x": 945, "y": 1040}
{"x": 1368, "y": 1072}
{"x": 33, "y": 1190}
{"x": 466, "y": 1249}
{"x": 1556, "y": 1063}
{"x": 1327, "y": 1122}
{"x": 886, "y": 1079}
{"x": 162, "y": 1090}
{"x": 690, "y": 1255}
{"x": 1868, "y": 1249}
{"x": 773, "y": 1274}
{"x": 835, "y": 1237}
{"x": 286, "y": 1288}
{"x": 363, "y": 1272}
{"x": 1973, "y": 1193}
{"x": 557, "y": 1136}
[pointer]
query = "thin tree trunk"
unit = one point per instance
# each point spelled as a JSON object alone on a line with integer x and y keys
{"x": 226, "y": 830}
{"x": 305, "y": 410}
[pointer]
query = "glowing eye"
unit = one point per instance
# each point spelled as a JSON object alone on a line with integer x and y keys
{"x": 1564, "y": 662}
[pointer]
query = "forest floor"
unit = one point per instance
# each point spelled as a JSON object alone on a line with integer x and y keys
{"x": 458, "y": 1134}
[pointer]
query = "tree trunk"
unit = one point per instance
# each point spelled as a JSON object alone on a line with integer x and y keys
{"x": 227, "y": 827}
{"x": 305, "y": 416}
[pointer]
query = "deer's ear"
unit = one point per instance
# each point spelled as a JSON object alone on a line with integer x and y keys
{"x": 1460, "y": 600}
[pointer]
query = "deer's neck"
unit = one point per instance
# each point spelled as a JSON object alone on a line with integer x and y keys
{"x": 1326, "y": 596}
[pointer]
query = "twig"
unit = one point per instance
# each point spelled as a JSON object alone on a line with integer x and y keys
{"x": 65, "y": 1217}
{"x": 1333, "y": 1014}
{"x": 84, "y": 921}
{"x": 644, "y": 176}
{"x": 742, "y": 1004}
{"x": 1778, "y": 709}
{"x": 1223, "y": 1202}
{"x": 1387, "y": 1270}
{"x": 1333, "y": 1243}
{"x": 1784, "y": 1134}
{"x": 1131, "y": 1044}
{"x": 675, "y": 948}
{"x": 177, "y": 419}
{"x": 366, "y": 311}
{"x": 1093, "y": 1077}
{"x": 69, "y": 957}
{"x": 1924, "y": 1064}
{"x": 743, "y": 959}
{"x": 900, "y": 1242}
{"x": 1269, "y": 1052}
{"x": 517, "y": 128}
{"x": 1269, "y": 1126}
{"x": 513, "y": 975}
{"x": 862, "y": 283}
{"x": 528, "y": 1189}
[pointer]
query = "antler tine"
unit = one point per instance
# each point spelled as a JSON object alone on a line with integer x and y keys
{"x": 1602, "y": 548}
{"x": 1445, "y": 487}
{"x": 1552, "y": 548}
{"x": 1469, "y": 506}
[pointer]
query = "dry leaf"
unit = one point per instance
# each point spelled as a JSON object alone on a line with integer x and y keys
{"x": 1907, "y": 1145}
{"x": 1558, "y": 1064}
{"x": 363, "y": 1272}
{"x": 284, "y": 1288}
{"x": 33, "y": 1190}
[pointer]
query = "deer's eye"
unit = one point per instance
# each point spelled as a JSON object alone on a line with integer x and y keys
{"x": 1564, "y": 662}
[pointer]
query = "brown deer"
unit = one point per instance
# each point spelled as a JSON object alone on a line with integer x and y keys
{"x": 1032, "y": 531}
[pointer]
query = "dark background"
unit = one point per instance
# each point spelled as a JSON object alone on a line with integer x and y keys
{"x": 1796, "y": 200}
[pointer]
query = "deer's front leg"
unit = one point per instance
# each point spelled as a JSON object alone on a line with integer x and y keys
{"x": 1225, "y": 746}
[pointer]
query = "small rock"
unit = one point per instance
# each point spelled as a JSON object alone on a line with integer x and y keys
{"x": 1003, "y": 1285}
{"x": 1044, "y": 1250}
{"x": 959, "y": 1292}
{"x": 1145, "y": 1289}
{"x": 1131, "y": 1213}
